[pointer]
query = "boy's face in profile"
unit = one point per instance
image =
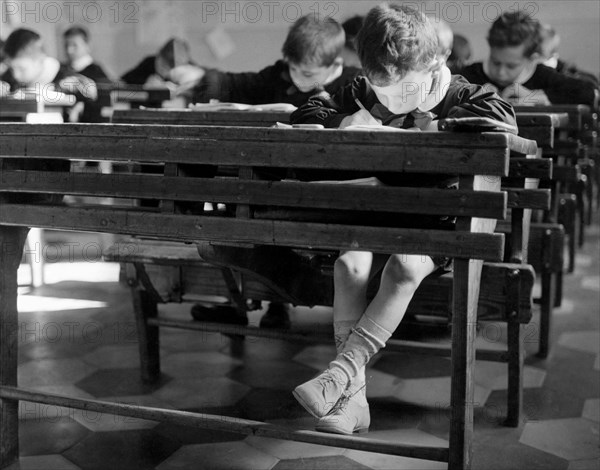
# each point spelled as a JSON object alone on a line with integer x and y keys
{"x": 506, "y": 64}
{"x": 76, "y": 47}
{"x": 310, "y": 76}
{"x": 409, "y": 93}
{"x": 26, "y": 68}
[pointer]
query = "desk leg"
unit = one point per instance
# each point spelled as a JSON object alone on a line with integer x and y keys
{"x": 467, "y": 276}
{"x": 12, "y": 240}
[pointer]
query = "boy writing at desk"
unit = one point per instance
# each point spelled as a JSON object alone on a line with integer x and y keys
{"x": 312, "y": 61}
{"x": 31, "y": 69}
{"x": 404, "y": 85}
{"x": 513, "y": 67}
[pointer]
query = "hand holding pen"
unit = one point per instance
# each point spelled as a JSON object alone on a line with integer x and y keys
{"x": 361, "y": 118}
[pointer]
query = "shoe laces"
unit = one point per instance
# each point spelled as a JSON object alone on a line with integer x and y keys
{"x": 342, "y": 403}
{"x": 328, "y": 377}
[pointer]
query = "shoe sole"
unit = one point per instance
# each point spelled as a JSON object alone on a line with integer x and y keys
{"x": 305, "y": 405}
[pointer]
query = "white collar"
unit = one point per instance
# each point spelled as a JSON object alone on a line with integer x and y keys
{"x": 79, "y": 64}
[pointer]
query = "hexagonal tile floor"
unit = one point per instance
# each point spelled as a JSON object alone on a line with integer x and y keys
{"x": 208, "y": 372}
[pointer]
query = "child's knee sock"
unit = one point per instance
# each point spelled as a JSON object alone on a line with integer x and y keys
{"x": 364, "y": 341}
{"x": 341, "y": 331}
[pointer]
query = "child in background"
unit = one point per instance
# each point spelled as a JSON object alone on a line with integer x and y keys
{"x": 171, "y": 66}
{"x": 80, "y": 61}
{"x": 550, "y": 57}
{"x": 403, "y": 82}
{"x": 312, "y": 61}
{"x": 79, "y": 54}
{"x": 460, "y": 55}
{"x": 445, "y": 38}
{"x": 31, "y": 69}
{"x": 514, "y": 70}
{"x": 351, "y": 28}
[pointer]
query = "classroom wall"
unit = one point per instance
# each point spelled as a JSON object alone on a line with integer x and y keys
{"x": 243, "y": 35}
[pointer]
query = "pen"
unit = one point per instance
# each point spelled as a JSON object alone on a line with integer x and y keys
{"x": 360, "y": 105}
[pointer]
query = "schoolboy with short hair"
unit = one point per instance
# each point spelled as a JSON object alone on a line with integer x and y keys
{"x": 404, "y": 85}
{"x": 513, "y": 66}
{"x": 31, "y": 68}
{"x": 79, "y": 54}
{"x": 551, "y": 58}
{"x": 312, "y": 61}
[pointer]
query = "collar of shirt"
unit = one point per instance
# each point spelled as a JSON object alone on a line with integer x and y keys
{"x": 415, "y": 118}
{"x": 79, "y": 64}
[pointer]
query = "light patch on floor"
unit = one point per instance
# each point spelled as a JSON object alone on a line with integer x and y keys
{"x": 36, "y": 303}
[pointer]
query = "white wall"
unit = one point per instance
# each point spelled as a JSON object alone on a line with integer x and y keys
{"x": 124, "y": 31}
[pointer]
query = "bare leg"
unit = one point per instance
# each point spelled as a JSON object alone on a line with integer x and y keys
{"x": 401, "y": 277}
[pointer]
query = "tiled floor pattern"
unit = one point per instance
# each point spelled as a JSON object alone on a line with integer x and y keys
{"x": 78, "y": 338}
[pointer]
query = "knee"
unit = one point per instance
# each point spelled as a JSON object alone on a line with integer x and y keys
{"x": 401, "y": 270}
{"x": 351, "y": 270}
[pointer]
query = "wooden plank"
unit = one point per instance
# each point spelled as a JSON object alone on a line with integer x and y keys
{"x": 520, "y": 145}
{"x": 225, "y": 423}
{"x": 253, "y": 192}
{"x": 540, "y": 168}
{"x": 206, "y": 118}
{"x": 543, "y": 136}
{"x": 316, "y": 149}
{"x": 528, "y": 198}
{"x": 12, "y": 240}
{"x": 486, "y": 246}
{"x": 556, "y": 120}
{"x": 574, "y": 111}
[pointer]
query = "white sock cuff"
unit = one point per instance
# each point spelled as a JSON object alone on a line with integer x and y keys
{"x": 377, "y": 332}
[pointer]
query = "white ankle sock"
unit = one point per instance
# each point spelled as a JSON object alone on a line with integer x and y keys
{"x": 364, "y": 341}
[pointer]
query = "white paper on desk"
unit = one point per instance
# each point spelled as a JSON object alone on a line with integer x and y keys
{"x": 368, "y": 181}
{"x": 377, "y": 128}
{"x": 283, "y": 107}
{"x": 218, "y": 106}
{"x": 215, "y": 105}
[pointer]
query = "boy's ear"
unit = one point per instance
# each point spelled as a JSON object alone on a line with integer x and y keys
{"x": 536, "y": 57}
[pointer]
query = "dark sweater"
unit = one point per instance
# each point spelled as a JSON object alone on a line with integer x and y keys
{"x": 462, "y": 100}
{"x": 140, "y": 73}
{"x": 271, "y": 85}
{"x": 558, "y": 87}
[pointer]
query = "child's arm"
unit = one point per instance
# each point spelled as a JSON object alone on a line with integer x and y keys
{"x": 565, "y": 89}
{"x": 467, "y": 100}
{"x": 140, "y": 73}
{"x": 331, "y": 111}
{"x": 248, "y": 88}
